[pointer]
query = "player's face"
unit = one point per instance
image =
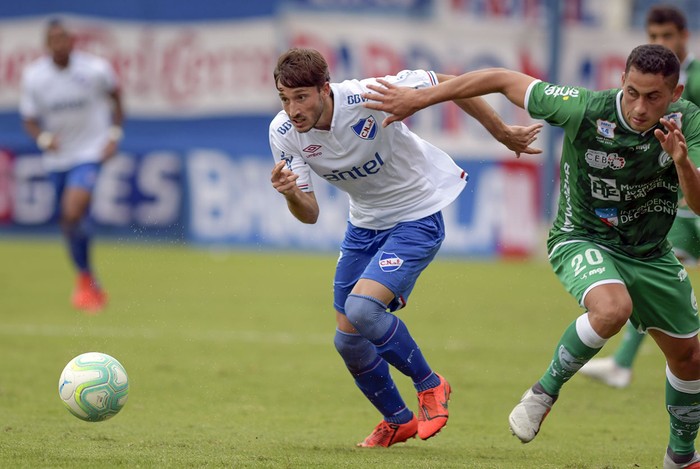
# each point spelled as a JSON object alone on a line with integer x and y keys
{"x": 60, "y": 44}
{"x": 667, "y": 34}
{"x": 645, "y": 98}
{"x": 307, "y": 107}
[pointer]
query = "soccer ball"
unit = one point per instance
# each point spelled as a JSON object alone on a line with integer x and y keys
{"x": 94, "y": 386}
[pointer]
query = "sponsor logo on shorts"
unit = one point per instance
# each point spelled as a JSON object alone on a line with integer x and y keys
{"x": 389, "y": 262}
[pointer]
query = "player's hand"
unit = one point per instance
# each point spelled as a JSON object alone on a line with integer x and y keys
{"x": 283, "y": 179}
{"x": 673, "y": 140}
{"x": 54, "y": 145}
{"x": 396, "y": 100}
{"x": 519, "y": 139}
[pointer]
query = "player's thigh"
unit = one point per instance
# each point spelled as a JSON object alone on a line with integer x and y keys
{"x": 356, "y": 251}
{"x": 406, "y": 252}
{"x": 80, "y": 182}
{"x": 662, "y": 294}
{"x": 583, "y": 265}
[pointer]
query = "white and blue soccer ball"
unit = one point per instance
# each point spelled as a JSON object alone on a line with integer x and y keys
{"x": 94, "y": 386}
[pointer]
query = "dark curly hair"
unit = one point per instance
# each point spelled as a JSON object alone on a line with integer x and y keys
{"x": 655, "y": 59}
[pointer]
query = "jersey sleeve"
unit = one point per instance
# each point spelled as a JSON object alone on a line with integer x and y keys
{"x": 28, "y": 107}
{"x": 561, "y": 106}
{"x": 691, "y": 132}
{"x": 281, "y": 150}
{"x": 692, "y": 84}
{"x": 412, "y": 78}
{"x": 108, "y": 77}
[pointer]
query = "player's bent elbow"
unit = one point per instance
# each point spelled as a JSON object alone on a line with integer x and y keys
{"x": 308, "y": 219}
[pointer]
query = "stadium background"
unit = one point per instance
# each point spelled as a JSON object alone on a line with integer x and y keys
{"x": 197, "y": 84}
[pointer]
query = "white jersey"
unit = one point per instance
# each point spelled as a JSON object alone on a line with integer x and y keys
{"x": 71, "y": 103}
{"x": 390, "y": 174}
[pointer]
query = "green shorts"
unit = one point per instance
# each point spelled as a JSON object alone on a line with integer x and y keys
{"x": 661, "y": 291}
{"x": 685, "y": 236}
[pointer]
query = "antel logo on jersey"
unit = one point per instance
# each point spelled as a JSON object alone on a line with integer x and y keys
{"x": 600, "y": 160}
{"x": 365, "y": 128}
{"x": 606, "y": 128}
{"x": 389, "y": 262}
{"x": 565, "y": 92}
{"x": 312, "y": 151}
{"x": 665, "y": 159}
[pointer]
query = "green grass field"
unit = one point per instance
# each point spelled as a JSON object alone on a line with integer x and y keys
{"x": 231, "y": 364}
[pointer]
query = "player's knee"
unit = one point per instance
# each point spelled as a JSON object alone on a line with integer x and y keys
{"x": 608, "y": 317}
{"x": 366, "y": 314}
{"x": 687, "y": 364}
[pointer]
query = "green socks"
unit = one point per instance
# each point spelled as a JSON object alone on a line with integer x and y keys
{"x": 627, "y": 351}
{"x": 571, "y": 354}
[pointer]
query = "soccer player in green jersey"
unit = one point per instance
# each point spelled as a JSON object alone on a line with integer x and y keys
{"x": 624, "y": 158}
{"x": 665, "y": 25}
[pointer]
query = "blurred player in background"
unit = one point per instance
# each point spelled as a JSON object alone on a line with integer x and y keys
{"x": 70, "y": 105}
{"x": 623, "y": 159}
{"x": 398, "y": 184}
{"x": 665, "y": 25}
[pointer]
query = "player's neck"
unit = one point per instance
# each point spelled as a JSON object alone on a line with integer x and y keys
{"x": 61, "y": 62}
{"x": 324, "y": 123}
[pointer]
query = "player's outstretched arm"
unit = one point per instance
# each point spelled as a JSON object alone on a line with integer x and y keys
{"x": 402, "y": 102}
{"x": 516, "y": 138}
{"x": 302, "y": 205}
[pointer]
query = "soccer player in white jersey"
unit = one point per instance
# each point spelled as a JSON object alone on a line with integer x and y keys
{"x": 70, "y": 104}
{"x": 397, "y": 184}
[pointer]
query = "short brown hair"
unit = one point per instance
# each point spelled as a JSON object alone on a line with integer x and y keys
{"x": 661, "y": 14}
{"x": 655, "y": 59}
{"x": 298, "y": 68}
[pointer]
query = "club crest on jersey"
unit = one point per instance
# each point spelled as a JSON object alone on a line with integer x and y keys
{"x": 389, "y": 262}
{"x": 665, "y": 159}
{"x": 608, "y": 216}
{"x": 606, "y": 128}
{"x": 365, "y": 128}
{"x": 676, "y": 117}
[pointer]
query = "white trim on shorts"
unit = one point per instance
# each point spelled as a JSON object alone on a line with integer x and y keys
{"x": 556, "y": 246}
{"x": 674, "y": 335}
{"x": 597, "y": 284}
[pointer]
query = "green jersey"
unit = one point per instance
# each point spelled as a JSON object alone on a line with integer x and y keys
{"x": 690, "y": 77}
{"x": 618, "y": 188}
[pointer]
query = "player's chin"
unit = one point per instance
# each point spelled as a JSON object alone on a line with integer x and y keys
{"x": 302, "y": 128}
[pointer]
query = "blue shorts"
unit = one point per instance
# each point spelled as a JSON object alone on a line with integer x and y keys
{"x": 394, "y": 257}
{"x": 83, "y": 176}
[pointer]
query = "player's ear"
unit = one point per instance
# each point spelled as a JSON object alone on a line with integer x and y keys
{"x": 677, "y": 92}
{"x": 622, "y": 80}
{"x": 326, "y": 88}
